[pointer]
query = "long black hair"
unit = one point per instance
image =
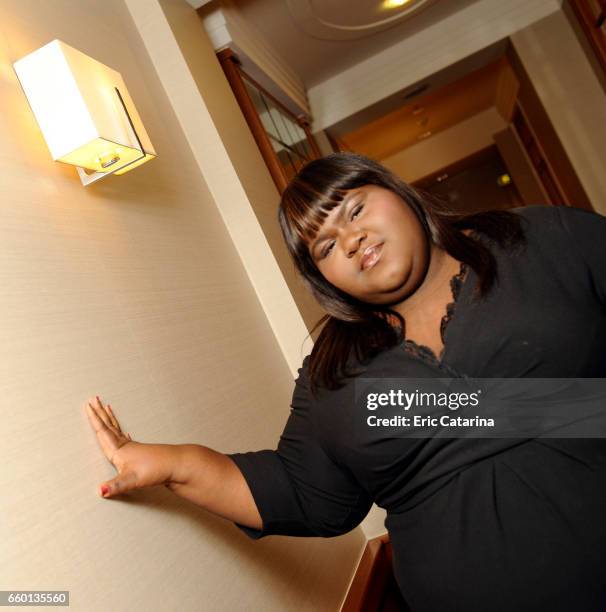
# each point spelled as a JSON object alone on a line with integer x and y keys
{"x": 356, "y": 329}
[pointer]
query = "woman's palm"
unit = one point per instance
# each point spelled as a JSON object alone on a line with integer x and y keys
{"x": 139, "y": 465}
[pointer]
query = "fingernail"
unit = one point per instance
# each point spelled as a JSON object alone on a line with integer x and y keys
{"x": 97, "y": 398}
{"x": 104, "y": 490}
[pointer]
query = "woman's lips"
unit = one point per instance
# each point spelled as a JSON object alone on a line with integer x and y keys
{"x": 371, "y": 256}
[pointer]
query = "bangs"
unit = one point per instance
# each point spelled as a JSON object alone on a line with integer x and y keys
{"x": 317, "y": 189}
{"x": 306, "y": 208}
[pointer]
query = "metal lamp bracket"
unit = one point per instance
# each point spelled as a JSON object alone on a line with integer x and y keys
{"x": 88, "y": 177}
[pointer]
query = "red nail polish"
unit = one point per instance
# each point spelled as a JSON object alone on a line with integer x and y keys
{"x": 104, "y": 490}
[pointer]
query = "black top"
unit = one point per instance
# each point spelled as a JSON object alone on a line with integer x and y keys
{"x": 475, "y": 524}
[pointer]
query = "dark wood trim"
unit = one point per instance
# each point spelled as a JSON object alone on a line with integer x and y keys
{"x": 374, "y": 569}
{"x": 304, "y": 122}
{"x": 519, "y": 165}
{"x": 535, "y": 154}
{"x": 333, "y": 142}
{"x": 582, "y": 39}
{"x": 589, "y": 24}
{"x": 266, "y": 93}
{"x": 553, "y": 152}
{"x": 229, "y": 61}
{"x": 238, "y": 80}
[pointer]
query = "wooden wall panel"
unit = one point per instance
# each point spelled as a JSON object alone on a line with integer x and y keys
{"x": 574, "y": 102}
{"x": 427, "y": 115}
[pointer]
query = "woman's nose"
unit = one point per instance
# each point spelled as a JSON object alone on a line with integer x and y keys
{"x": 353, "y": 241}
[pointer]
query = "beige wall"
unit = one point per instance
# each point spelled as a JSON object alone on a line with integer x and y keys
{"x": 246, "y": 196}
{"x": 446, "y": 147}
{"x": 135, "y": 288}
{"x": 572, "y": 96}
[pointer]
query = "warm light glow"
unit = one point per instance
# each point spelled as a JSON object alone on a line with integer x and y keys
{"x": 99, "y": 155}
{"x": 74, "y": 100}
{"x": 394, "y": 3}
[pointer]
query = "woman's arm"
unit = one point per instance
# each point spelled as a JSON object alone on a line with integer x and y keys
{"x": 212, "y": 480}
{"x": 197, "y": 473}
{"x": 294, "y": 490}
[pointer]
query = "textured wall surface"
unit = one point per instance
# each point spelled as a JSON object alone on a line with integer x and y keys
{"x": 132, "y": 288}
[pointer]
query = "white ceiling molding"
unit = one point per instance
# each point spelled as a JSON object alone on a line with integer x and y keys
{"x": 354, "y": 20}
{"x": 414, "y": 58}
{"x": 226, "y": 28}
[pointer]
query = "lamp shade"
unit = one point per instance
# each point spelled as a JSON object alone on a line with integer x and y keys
{"x": 84, "y": 110}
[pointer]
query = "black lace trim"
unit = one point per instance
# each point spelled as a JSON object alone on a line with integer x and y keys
{"x": 424, "y": 352}
{"x": 456, "y": 282}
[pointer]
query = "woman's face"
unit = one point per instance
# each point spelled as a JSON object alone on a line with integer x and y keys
{"x": 372, "y": 246}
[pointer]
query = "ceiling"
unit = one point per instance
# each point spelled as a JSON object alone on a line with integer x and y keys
{"x": 327, "y": 19}
{"x": 427, "y": 115}
{"x": 437, "y": 82}
{"x": 321, "y": 38}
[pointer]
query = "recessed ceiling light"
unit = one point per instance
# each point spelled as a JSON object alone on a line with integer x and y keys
{"x": 394, "y": 3}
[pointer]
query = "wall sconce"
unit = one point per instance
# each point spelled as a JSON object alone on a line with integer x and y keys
{"x": 85, "y": 112}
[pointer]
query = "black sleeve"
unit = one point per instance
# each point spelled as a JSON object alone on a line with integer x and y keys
{"x": 299, "y": 490}
{"x": 587, "y": 234}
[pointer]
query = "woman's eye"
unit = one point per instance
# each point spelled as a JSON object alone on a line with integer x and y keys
{"x": 354, "y": 214}
{"x": 357, "y": 211}
{"x": 328, "y": 249}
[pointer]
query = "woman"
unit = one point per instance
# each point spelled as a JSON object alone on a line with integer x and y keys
{"x": 413, "y": 291}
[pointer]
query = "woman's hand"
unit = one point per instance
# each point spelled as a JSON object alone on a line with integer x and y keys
{"x": 139, "y": 465}
{"x": 197, "y": 473}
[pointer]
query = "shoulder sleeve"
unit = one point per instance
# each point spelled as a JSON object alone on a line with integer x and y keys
{"x": 299, "y": 490}
{"x": 587, "y": 237}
